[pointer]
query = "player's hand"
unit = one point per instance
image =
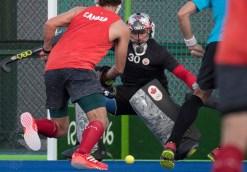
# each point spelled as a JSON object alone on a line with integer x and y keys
{"x": 103, "y": 80}
{"x": 194, "y": 86}
{"x": 196, "y": 50}
{"x": 43, "y": 56}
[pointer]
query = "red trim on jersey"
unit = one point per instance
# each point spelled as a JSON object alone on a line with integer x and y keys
{"x": 184, "y": 75}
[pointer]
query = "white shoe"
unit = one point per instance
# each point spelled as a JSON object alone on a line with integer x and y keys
{"x": 31, "y": 136}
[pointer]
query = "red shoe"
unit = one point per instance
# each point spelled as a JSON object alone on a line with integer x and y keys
{"x": 168, "y": 155}
{"x": 213, "y": 154}
{"x": 229, "y": 159}
{"x": 31, "y": 136}
{"x": 86, "y": 161}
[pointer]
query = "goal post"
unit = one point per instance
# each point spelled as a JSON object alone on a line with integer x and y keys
{"x": 51, "y": 142}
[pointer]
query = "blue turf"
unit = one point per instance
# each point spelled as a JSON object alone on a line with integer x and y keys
{"x": 114, "y": 166}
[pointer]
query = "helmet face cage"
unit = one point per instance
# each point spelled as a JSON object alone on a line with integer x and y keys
{"x": 140, "y": 23}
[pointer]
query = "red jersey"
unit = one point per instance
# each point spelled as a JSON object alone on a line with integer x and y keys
{"x": 85, "y": 42}
{"x": 233, "y": 48}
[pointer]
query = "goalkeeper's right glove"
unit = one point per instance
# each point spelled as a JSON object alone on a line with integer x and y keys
{"x": 103, "y": 80}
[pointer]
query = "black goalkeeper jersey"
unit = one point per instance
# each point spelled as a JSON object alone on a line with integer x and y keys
{"x": 139, "y": 70}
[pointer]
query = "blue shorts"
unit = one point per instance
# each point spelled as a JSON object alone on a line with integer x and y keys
{"x": 64, "y": 84}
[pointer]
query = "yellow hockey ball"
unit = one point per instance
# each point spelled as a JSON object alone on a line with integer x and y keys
{"x": 129, "y": 159}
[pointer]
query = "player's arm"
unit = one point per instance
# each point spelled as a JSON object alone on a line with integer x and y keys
{"x": 61, "y": 20}
{"x": 173, "y": 66}
{"x": 120, "y": 34}
{"x": 184, "y": 15}
{"x": 182, "y": 73}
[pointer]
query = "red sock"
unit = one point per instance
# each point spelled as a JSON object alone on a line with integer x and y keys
{"x": 47, "y": 127}
{"x": 90, "y": 136}
{"x": 229, "y": 159}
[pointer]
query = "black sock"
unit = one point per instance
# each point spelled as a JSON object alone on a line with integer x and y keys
{"x": 187, "y": 115}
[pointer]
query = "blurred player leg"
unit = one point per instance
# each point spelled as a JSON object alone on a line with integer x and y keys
{"x": 234, "y": 120}
{"x": 231, "y": 63}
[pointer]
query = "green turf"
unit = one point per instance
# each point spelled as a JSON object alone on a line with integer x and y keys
{"x": 23, "y": 157}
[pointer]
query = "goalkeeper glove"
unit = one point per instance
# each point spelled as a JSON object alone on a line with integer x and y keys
{"x": 103, "y": 80}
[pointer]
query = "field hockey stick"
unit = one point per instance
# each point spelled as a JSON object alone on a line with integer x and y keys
{"x": 25, "y": 54}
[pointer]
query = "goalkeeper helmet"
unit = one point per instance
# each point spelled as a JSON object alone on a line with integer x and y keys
{"x": 141, "y": 28}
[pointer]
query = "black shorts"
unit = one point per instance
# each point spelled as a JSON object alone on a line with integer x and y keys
{"x": 205, "y": 78}
{"x": 232, "y": 82}
{"x": 63, "y": 84}
{"x": 124, "y": 94}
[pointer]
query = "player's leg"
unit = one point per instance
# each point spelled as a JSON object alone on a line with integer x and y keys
{"x": 234, "y": 119}
{"x": 186, "y": 117}
{"x": 98, "y": 151}
{"x": 81, "y": 123}
{"x": 92, "y": 102}
{"x": 158, "y": 113}
{"x": 231, "y": 73}
{"x": 120, "y": 100}
{"x": 93, "y": 106}
{"x": 212, "y": 102}
{"x": 57, "y": 99}
{"x": 53, "y": 128}
{"x": 189, "y": 110}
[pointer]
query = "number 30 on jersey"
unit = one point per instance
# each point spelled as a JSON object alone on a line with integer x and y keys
{"x": 133, "y": 58}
